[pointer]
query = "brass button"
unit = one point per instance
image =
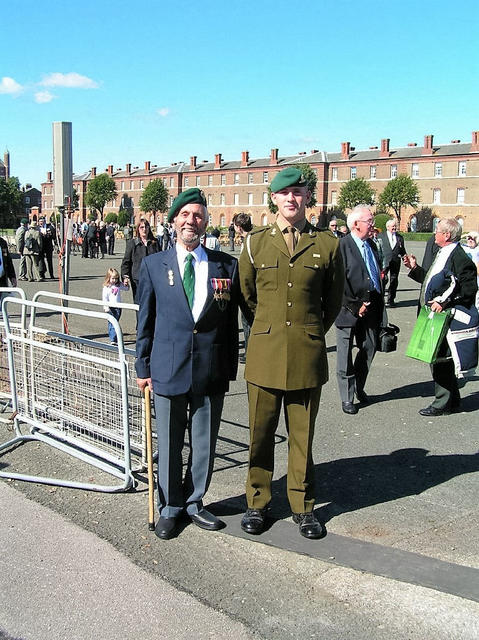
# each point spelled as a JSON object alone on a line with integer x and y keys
{"x": 291, "y": 264}
{"x": 290, "y": 304}
{"x": 288, "y": 323}
{"x": 290, "y": 284}
{"x": 195, "y": 330}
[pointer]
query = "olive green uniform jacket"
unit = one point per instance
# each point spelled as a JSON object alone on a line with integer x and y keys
{"x": 294, "y": 301}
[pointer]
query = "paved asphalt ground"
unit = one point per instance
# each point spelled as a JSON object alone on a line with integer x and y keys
{"x": 396, "y": 491}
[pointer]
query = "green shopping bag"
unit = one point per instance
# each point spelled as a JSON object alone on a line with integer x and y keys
{"x": 427, "y": 335}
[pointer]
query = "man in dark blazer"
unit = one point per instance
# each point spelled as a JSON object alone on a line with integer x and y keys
{"x": 450, "y": 258}
{"x": 291, "y": 277}
{"x": 362, "y": 308}
{"x": 186, "y": 352}
{"x": 393, "y": 250}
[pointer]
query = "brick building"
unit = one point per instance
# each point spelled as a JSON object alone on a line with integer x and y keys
{"x": 447, "y": 176}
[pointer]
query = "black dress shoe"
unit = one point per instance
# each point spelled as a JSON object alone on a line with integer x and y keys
{"x": 309, "y": 527}
{"x": 348, "y": 407}
{"x": 362, "y": 397}
{"x": 253, "y": 521}
{"x": 165, "y": 528}
{"x": 433, "y": 412}
{"x": 206, "y": 520}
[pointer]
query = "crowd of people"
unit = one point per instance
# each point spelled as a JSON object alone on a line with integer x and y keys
{"x": 291, "y": 284}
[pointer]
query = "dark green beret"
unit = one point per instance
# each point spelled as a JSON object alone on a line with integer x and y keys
{"x": 190, "y": 196}
{"x": 24, "y": 221}
{"x": 290, "y": 177}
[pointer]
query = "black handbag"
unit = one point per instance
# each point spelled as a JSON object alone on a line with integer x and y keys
{"x": 387, "y": 338}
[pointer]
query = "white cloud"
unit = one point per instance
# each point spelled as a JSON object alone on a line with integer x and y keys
{"x": 69, "y": 80}
{"x": 43, "y": 96}
{"x": 8, "y": 85}
{"x": 163, "y": 112}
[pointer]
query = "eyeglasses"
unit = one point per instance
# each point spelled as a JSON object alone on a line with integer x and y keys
{"x": 369, "y": 221}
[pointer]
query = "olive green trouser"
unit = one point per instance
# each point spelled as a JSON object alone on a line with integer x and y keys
{"x": 300, "y": 410}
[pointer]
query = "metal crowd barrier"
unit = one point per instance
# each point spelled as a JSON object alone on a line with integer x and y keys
{"x": 72, "y": 393}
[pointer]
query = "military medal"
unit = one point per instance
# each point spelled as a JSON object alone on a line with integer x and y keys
{"x": 170, "y": 277}
{"x": 221, "y": 291}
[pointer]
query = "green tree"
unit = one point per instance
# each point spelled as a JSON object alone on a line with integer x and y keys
{"x": 155, "y": 197}
{"x": 100, "y": 190}
{"x": 75, "y": 200}
{"x": 11, "y": 202}
{"x": 311, "y": 178}
{"x": 123, "y": 217}
{"x": 354, "y": 192}
{"x": 380, "y": 220}
{"x": 111, "y": 217}
{"x": 400, "y": 192}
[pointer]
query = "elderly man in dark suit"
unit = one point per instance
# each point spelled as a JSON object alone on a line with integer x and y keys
{"x": 361, "y": 311}
{"x": 393, "y": 250}
{"x": 291, "y": 277}
{"x": 449, "y": 259}
{"x": 187, "y": 351}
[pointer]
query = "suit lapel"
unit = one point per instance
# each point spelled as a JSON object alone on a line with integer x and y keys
{"x": 172, "y": 273}
{"x": 277, "y": 239}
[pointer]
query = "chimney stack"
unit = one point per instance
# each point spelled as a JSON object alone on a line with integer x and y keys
{"x": 218, "y": 160}
{"x": 244, "y": 158}
{"x": 93, "y": 172}
{"x": 193, "y": 162}
{"x": 384, "y": 148}
{"x": 427, "y": 149}
{"x": 313, "y": 151}
{"x": 273, "y": 160}
{"x": 49, "y": 176}
{"x": 110, "y": 169}
{"x": 345, "y": 147}
{"x": 128, "y": 169}
{"x": 475, "y": 141}
{"x": 147, "y": 165}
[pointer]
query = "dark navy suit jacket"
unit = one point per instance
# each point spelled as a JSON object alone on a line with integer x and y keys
{"x": 357, "y": 283}
{"x": 178, "y": 353}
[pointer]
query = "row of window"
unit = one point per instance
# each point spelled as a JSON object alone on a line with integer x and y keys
{"x": 461, "y": 171}
{"x": 436, "y": 196}
{"x": 236, "y": 179}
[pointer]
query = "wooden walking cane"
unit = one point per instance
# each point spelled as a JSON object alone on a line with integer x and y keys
{"x": 149, "y": 460}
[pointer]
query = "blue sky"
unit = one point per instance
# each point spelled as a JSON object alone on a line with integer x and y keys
{"x": 163, "y": 81}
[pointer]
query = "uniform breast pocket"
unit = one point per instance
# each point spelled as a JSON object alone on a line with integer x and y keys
{"x": 267, "y": 276}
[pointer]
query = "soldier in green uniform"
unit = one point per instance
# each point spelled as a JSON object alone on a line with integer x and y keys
{"x": 292, "y": 280}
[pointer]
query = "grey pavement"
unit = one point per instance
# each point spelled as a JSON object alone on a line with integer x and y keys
{"x": 396, "y": 491}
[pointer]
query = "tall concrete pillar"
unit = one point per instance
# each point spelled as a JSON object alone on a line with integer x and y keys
{"x": 62, "y": 163}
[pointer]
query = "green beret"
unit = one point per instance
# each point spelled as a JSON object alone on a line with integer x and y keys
{"x": 24, "y": 221}
{"x": 290, "y": 177}
{"x": 190, "y": 196}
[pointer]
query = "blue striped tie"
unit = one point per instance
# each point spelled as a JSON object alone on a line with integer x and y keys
{"x": 371, "y": 264}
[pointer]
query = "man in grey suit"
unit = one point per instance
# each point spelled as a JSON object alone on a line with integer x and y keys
{"x": 362, "y": 308}
{"x": 187, "y": 352}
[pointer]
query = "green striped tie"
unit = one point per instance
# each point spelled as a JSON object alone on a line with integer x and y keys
{"x": 189, "y": 279}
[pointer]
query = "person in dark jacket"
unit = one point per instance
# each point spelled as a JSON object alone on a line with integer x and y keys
{"x": 92, "y": 239}
{"x": 48, "y": 235}
{"x": 142, "y": 245}
{"x": 450, "y": 258}
{"x": 102, "y": 239}
{"x": 7, "y": 270}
